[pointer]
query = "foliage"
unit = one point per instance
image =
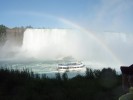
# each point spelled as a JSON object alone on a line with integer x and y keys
{"x": 2, "y": 34}
{"x": 25, "y": 85}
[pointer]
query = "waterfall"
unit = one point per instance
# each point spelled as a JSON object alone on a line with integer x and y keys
{"x": 51, "y": 43}
{"x": 54, "y": 44}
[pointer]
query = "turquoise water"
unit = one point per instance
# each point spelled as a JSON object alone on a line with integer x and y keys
{"x": 40, "y": 67}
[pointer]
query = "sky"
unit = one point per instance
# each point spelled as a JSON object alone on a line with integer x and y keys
{"x": 95, "y": 15}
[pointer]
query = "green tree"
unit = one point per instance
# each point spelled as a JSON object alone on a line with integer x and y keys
{"x": 2, "y": 34}
{"x": 89, "y": 74}
{"x": 108, "y": 78}
{"x": 64, "y": 76}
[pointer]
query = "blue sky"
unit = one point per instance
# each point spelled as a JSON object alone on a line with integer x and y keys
{"x": 96, "y": 15}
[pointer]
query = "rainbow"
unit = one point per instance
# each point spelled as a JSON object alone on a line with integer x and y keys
{"x": 94, "y": 36}
{"x": 78, "y": 27}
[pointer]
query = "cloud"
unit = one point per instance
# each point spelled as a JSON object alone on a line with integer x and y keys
{"x": 112, "y": 14}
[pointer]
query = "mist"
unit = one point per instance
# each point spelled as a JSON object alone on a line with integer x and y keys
{"x": 120, "y": 44}
{"x": 103, "y": 49}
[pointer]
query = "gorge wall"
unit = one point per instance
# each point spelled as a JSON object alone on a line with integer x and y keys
{"x": 15, "y": 36}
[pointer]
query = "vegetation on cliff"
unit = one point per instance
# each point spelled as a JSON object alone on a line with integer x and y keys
{"x": 2, "y": 34}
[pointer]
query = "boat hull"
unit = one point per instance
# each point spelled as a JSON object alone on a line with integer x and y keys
{"x": 65, "y": 68}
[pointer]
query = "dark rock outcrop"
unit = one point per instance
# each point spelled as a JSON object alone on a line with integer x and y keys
{"x": 15, "y": 36}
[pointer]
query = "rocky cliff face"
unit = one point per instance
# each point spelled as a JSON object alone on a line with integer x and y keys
{"x": 15, "y": 36}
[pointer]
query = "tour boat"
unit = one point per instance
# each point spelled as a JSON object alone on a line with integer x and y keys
{"x": 72, "y": 66}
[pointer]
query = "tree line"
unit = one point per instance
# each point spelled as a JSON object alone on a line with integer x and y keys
{"x": 102, "y": 84}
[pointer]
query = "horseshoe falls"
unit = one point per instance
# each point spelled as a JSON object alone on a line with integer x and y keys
{"x": 51, "y": 44}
